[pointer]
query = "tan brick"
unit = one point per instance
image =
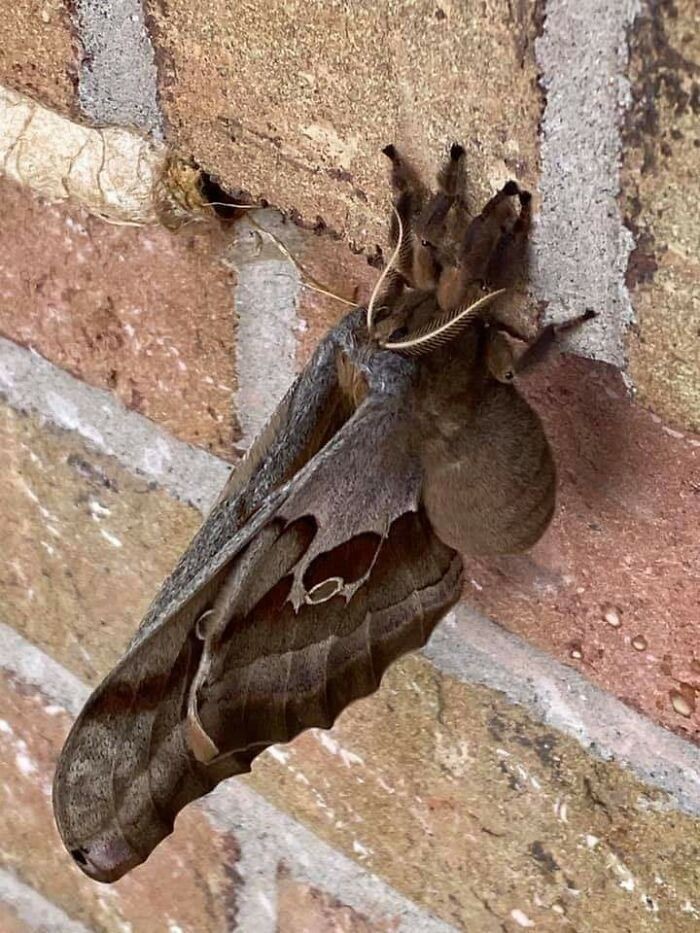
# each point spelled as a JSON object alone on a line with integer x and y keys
{"x": 142, "y": 311}
{"x": 85, "y": 544}
{"x": 10, "y": 922}
{"x": 38, "y": 53}
{"x": 327, "y": 86}
{"x": 188, "y": 883}
{"x": 305, "y": 909}
{"x": 662, "y": 205}
{"x": 472, "y": 809}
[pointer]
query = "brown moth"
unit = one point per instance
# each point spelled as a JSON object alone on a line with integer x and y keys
{"x": 335, "y": 546}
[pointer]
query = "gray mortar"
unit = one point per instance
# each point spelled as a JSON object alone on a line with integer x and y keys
{"x": 267, "y": 836}
{"x": 32, "y": 909}
{"x": 30, "y": 383}
{"x": 118, "y": 80}
{"x": 267, "y": 291}
{"x": 580, "y": 244}
{"x": 477, "y": 651}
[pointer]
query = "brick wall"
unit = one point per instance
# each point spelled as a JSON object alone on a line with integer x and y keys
{"x": 537, "y": 765}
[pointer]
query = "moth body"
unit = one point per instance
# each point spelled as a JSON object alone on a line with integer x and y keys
{"x": 335, "y": 546}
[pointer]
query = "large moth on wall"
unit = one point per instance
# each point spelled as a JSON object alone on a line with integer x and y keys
{"x": 335, "y": 547}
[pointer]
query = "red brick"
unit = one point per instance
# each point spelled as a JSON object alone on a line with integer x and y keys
{"x": 624, "y": 541}
{"x": 145, "y": 312}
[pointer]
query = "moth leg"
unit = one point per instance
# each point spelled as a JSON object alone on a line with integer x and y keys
{"x": 417, "y": 260}
{"x": 540, "y": 348}
{"x": 509, "y": 260}
{"x": 479, "y": 242}
{"x": 450, "y": 180}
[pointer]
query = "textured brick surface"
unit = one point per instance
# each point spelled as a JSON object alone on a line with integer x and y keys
{"x": 139, "y": 310}
{"x": 189, "y": 884}
{"x": 661, "y": 200}
{"x": 304, "y": 909}
{"x": 466, "y": 805}
{"x": 85, "y": 545}
{"x": 38, "y": 53}
{"x": 249, "y": 93}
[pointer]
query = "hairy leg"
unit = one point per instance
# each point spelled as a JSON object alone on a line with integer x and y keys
{"x": 481, "y": 238}
{"x": 509, "y": 260}
{"x": 546, "y": 340}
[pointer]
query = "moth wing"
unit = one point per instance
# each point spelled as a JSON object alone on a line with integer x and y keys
{"x": 354, "y": 578}
{"x": 265, "y": 668}
{"x": 102, "y": 777}
{"x": 490, "y": 480}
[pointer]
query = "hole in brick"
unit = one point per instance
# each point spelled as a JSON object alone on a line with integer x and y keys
{"x": 225, "y": 205}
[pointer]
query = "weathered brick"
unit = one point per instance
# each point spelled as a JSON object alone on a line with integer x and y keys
{"x": 85, "y": 544}
{"x": 305, "y": 909}
{"x": 484, "y": 816}
{"x": 327, "y": 86}
{"x": 188, "y": 884}
{"x": 142, "y": 311}
{"x": 661, "y": 201}
{"x": 38, "y": 53}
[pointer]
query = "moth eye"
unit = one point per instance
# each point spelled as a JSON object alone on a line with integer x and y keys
{"x": 79, "y": 856}
{"x": 325, "y": 590}
{"x": 509, "y": 375}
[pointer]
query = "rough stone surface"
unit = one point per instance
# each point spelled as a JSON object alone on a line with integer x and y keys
{"x": 85, "y": 544}
{"x": 38, "y": 53}
{"x": 248, "y": 93}
{"x": 483, "y": 815}
{"x": 141, "y": 311}
{"x": 304, "y": 909}
{"x": 661, "y": 201}
{"x": 196, "y": 862}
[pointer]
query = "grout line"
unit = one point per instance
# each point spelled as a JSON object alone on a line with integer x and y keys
{"x": 265, "y": 834}
{"x": 580, "y": 243}
{"x": 268, "y": 836}
{"x": 32, "y": 384}
{"x": 118, "y": 81}
{"x": 475, "y": 650}
{"x": 466, "y": 646}
{"x": 34, "y": 910}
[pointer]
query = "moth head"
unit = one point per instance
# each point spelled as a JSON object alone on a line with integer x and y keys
{"x": 439, "y": 331}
